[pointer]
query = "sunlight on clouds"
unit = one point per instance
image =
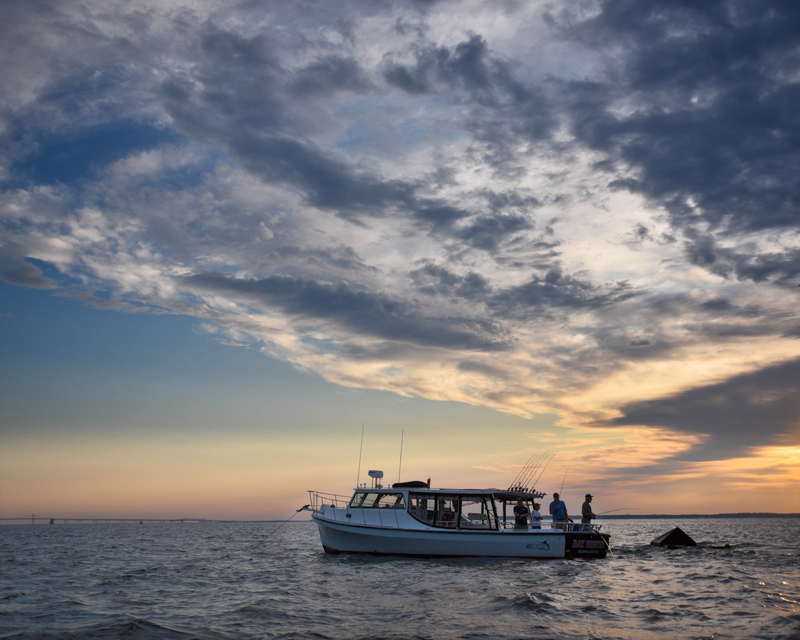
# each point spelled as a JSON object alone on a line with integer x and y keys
{"x": 773, "y": 468}
{"x": 460, "y": 201}
{"x": 698, "y": 366}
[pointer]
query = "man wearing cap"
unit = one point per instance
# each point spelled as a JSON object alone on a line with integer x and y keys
{"x": 587, "y": 515}
{"x": 536, "y": 517}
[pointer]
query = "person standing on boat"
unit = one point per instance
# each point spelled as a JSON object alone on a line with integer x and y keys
{"x": 536, "y": 517}
{"x": 521, "y": 515}
{"x": 587, "y": 515}
{"x": 558, "y": 509}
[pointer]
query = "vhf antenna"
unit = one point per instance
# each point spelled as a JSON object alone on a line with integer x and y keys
{"x": 400, "y": 466}
{"x": 358, "y": 475}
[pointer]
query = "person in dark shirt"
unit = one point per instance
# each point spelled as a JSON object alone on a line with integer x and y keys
{"x": 587, "y": 515}
{"x": 521, "y": 516}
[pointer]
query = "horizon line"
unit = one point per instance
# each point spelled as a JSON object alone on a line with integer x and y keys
{"x": 37, "y": 519}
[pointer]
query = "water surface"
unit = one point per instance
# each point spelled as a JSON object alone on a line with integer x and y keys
{"x": 224, "y": 581}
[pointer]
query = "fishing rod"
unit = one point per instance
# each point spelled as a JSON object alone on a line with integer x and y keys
{"x": 562, "y": 483}
{"x": 622, "y": 509}
{"x": 521, "y": 480}
{"x": 514, "y": 482}
{"x": 543, "y": 470}
{"x": 535, "y": 463}
{"x": 535, "y": 467}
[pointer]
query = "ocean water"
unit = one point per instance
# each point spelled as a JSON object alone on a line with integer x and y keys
{"x": 229, "y": 580}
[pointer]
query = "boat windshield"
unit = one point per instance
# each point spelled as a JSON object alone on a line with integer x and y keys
{"x": 380, "y": 500}
{"x": 453, "y": 511}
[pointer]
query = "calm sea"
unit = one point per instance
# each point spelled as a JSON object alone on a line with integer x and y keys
{"x": 181, "y": 581}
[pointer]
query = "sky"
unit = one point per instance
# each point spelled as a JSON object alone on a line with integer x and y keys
{"x": 232, "y": 234}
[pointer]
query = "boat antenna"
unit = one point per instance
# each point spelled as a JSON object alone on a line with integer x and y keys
{"x": 399, "y": 468}
{"x": 361, "y": 448}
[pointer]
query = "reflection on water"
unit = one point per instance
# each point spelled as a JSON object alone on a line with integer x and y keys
{"x": 164, "y": 581}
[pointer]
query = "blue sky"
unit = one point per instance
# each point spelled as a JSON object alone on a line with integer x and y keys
{"x": 510, "y": 227}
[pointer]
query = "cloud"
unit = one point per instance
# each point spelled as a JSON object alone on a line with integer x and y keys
{"x": 575, "y": 212}
{"x": 557, "y": 290}
{"x": 329, "y": 74}
{"x": 778, "y": 267}
{"x": 365, "y": 312}
{"x": 27, "y": 275}
{"x": 701, "y": 116}
{"x": 745, "y": 411}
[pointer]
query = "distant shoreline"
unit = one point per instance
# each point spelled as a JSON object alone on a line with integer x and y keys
{"x": 40, "y": 520}
{"x": 655, "y": 516}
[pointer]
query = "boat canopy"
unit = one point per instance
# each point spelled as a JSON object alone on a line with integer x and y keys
{"x": 411, "y": 484}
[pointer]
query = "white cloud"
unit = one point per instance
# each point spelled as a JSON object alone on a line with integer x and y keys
{"x": 550, "y": 289}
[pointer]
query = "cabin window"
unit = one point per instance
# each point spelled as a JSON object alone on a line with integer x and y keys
{"x": 453, "y": 511}
{"x": 379, "y": 500}
{"x": 391, "y": 501}
{"x": 447, "y": 512}
{"x": 422, "y": 507}
{"x": 477, "y": 513}
{"x": 364, "y": 500}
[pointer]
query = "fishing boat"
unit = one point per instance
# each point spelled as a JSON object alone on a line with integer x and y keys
{"x": 413, "y": 519}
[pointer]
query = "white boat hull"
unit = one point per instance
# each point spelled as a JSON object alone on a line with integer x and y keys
{"x": 510, "y": 543}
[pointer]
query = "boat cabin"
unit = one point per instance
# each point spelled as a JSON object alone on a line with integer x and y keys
{"x": 461, "y": 509}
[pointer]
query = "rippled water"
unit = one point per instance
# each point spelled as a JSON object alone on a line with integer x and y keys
{"x": 165, "y": 581}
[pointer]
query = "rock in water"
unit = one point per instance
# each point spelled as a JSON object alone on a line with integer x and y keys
{"x": 675, "y": 536}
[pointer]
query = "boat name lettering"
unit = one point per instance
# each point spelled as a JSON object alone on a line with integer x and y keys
{"x": 588, "y": 544}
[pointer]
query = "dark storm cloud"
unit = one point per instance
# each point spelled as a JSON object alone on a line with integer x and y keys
{"x": 487, "y": 232}
{"x": 329, "y": 74}
{"x": 503, "y": 201}
{"x": 344, "y": 258}
{"x": 749, "y": 410}
{"x": 245, "y": 103}
{"x": 556, "y": 290}
{"x": 246, "y": 106}
{"x": 368, "y": 313}
{"x": 782, "y": 268}
{"x": 433, "y": 279}
{"x": 711, "y": 126}
{"x": 27, "y": 275}
{"x": 468, "y": 67}
{"x": 505, "y": 110}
